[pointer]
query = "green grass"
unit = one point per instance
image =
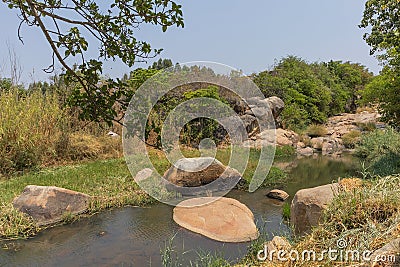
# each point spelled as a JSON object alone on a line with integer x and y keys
{"x": 109, "y": 182}
{"x": 380, "y": 151}
{"x": 286, "y": 211}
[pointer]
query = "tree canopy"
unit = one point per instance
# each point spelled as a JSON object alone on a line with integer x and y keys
{"x": 382, "y": 17}
{"x": 70, "y": 27}
{"x": 313, "y": 91}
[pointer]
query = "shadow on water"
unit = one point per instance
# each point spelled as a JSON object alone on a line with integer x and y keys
{"x": 134, "y": 236}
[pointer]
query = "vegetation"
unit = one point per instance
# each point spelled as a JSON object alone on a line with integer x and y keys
{"x": 380, "y": 150}
{"x": 351, "y": 139}
{"x": 381, "y": 19}
{"x": 112, "y": 26}
{"x": 384, "y": 92}
{"x": 36, "y": 130}
{"x": 313, "y": 91}
{"x": 315, "y": 130}
{"x": 366, "y": 216}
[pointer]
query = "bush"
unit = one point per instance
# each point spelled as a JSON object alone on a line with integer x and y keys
{"x": 284, "y": 151}
{"x": 366, "y": 127}
{"x": 380, "y": 150}
{"x": 315, "y": 130}
{"x": 351, "y": 139}
{"x": 28, "y": 128}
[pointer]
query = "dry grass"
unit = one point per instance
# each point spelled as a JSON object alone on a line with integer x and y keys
{"x": 316, "y": 130}
{"x": 366, "y": 215}
{"x": 351, "y": 139}
{"x": 36, "y": 131}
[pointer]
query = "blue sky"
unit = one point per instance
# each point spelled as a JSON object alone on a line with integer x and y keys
{"x": 247, "y": 35}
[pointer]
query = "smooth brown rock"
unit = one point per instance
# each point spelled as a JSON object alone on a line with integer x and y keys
{"x": 308, "y": 205}
{"x": 194, "y": 172}
{"x": 278, "y": 194}
{"x": 48, "y": 204}
{"x": 223, "y": 219}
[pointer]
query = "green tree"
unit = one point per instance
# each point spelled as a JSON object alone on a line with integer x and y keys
{"x": 162, "y": 64}
{"x": 383, "y": 19}
{"x": 69, "y": 25}
{"x": 384, "y": 90}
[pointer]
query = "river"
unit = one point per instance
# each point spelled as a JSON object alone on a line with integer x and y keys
{"x": 133, "y": 236}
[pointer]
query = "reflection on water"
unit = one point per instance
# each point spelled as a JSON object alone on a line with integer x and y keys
{"x": 134, "y": 236}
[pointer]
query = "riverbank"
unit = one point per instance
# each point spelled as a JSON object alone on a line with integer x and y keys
{"x": 109, "y": 182}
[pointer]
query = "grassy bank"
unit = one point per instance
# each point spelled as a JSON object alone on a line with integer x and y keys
{"x": 367, "y": 217}
{"x": 108, "y": 181}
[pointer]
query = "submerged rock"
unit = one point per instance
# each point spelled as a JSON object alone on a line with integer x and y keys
{"x": 308, "y": 205}
{"x": 278, "y": 194}
{"x": 49, "y": 204}
{"x": 223, "y": 219}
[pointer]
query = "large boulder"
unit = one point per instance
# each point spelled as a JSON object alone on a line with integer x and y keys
{"x": 221, "y": 219}
{"x": 49, "y": 204}
{"x": 202, "y": 171}
{"x": 308, "y": 205}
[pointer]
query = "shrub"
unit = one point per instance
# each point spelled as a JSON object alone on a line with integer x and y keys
{"x": 351, "y": 139}
{"x": 380, "y": 150}
{"x": 284, "y": 151}
{"x": 28, "y": 128}
{"x": 366, "y": 127}
{"x": 286, "y": 211}
{"x": 315, "y": 130}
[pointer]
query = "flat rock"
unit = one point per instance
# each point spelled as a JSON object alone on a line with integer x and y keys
{"x": 49, "y": 204}
{"x": 278, "y": 194}
{"x": 222, "y": 219}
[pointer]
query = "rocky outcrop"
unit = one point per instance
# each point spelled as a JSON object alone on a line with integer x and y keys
{"x": 49, "y": 204}
{"x": 198, "y": 172}
{"x": 308, "y": 205}
{"x": 221, "y": 219}
{"x": 278, "y": 194}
